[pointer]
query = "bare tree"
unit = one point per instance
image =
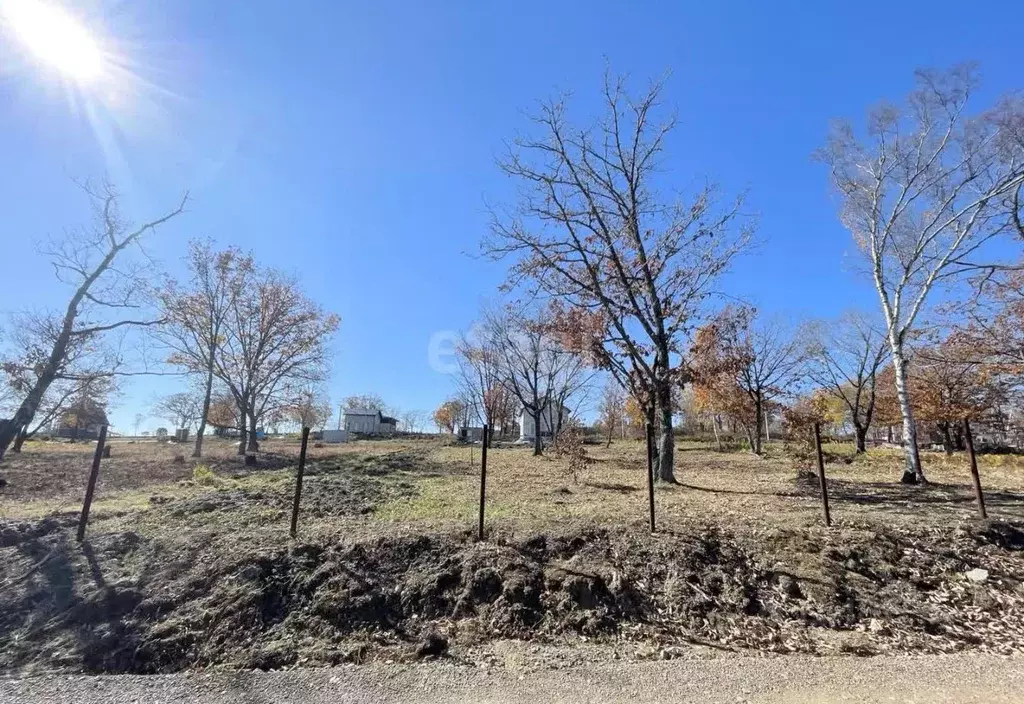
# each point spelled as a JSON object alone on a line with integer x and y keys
{"x": 593, "y": 229}
{"x": 480, "y": 379}
{"x": 109, "y": 290}
{"x": 365, "y": 402}
{"x": 613, "y": 409}
{"x": 311, "y": 408}
{"x": 91, "y": 366}
{"x": 923, "y": 191}
{"x": 845, "y": 358}
{"x": 411, "y": 420}
{"x": 58, "y": 399}
{"x": 275, "y": 343}
{"x": 533, "y": 367}
{"x": 184, "y": 409}
{"x": 196, "y": 315}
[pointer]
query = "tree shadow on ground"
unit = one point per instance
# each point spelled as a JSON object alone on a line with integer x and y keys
{"x": 932, "y": 494}
{"x": 51, "y": 602}
{"x": 739, "y": 492}
{"x": 612, "y": 486}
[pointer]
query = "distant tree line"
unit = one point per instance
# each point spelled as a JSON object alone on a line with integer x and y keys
{"x": 248, "y": 340}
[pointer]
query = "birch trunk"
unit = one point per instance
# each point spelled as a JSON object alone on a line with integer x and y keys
{"x": 912, "y": 472}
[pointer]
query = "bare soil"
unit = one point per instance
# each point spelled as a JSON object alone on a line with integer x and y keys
{"x": 181, "y": 572}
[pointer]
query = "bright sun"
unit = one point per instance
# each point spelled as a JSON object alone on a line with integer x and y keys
{"x": 55, "y": 37}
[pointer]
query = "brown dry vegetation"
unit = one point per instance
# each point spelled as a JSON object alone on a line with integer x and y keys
{"x": 187, "y": 568}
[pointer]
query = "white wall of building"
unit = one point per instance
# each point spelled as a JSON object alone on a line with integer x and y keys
{"x": 548, "y": 422}
{"x": 365, "y": 423}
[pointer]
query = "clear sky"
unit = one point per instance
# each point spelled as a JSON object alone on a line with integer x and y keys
{"x": 354, "y": 142}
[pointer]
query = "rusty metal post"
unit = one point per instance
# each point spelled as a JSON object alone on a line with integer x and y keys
{"x": 298, "y": 482}
{"x": 650, "y": 471}
{"x": 974, "y": 470}
{"x": 821, "y": 475}
{"x": 483, "y": 481}
{"x": 90, "y": 488}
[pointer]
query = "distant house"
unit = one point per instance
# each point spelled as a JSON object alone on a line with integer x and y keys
{"x": 550, "y": 421}
{"x": 366, "y": 422}
{"x": 82, "y": 421}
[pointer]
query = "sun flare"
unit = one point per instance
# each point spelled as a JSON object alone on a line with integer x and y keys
{"x": 55, "y": 37}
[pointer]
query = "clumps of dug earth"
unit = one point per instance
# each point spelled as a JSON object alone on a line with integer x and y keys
{"x": 124, "y": 603}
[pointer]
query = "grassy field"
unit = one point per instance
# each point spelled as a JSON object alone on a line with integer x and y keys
{"x": 188, "y": 563}
{"x": 429, "y": 484}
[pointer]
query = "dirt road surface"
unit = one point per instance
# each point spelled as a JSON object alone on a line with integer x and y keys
{"x": 932, "y": 679}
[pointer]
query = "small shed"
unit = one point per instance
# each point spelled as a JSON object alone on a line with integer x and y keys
{"x": 333, "y": 436}
{"x": 469, "y": 433}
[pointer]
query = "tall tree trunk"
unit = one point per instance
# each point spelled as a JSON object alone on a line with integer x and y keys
{"x": 253, "y": 445}
{"x": 27, "y": 410}
{"x": 198, "y": 450}
{"x": 242, "y": 435}
{"x": 538, "y": 447}
{"x": 667, "y": 442}
{"x": 947, "y": 437}
{"x": 748, "y": 431}
{"x": 19, "y": 440}
{"x": 912, "y": 472}
{"x": 758, "y": 419}
{"x": 715, "y": 421}
{"x": 861, "y": 432}
{"x": 651, "y": 419}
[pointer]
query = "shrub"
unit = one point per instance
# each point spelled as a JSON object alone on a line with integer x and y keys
{"x": 569, "y": 445}
{"x": 203, "y": 475}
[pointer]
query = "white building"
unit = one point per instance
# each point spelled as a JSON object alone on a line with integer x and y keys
{"x": 550, "y": 421}
{"x": 369, "y": 422}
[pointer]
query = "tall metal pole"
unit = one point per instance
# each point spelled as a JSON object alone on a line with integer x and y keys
{"x": 650, "y": 471}
{"x": 821, "y": 476}
{"x": 298, "y": 482}
{"x": 90, "y": 488}
{"x": 483, "y": 482}
{"x": 974, "y": 470}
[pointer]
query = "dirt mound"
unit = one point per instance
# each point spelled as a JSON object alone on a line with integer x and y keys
{"x": 123, "y": 603}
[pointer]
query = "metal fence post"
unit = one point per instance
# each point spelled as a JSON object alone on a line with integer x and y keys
{"x": 298, "y": 482}
{"x": 90, "y": 488}
{"x": 483, "y": 481}
{"x": 821, "y": 475}
{"x": 650, "y": 471}
{"x": 974, "y": 470}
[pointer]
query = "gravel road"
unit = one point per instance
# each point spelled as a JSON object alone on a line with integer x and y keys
{"x": 932, "y": 679}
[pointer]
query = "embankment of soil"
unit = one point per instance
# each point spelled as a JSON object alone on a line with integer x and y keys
{"x": 125, "y": 603}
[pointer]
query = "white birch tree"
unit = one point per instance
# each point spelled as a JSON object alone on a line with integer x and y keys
{"x": 923, "y": 188}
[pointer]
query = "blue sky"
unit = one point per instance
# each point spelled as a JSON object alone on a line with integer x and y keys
{"x": 353, "y": 143}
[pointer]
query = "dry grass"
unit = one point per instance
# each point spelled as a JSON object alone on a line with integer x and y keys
{"x": 440, "y": 485}
{"x": 190, "y": 563}
{"x": 732, "y": 488}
